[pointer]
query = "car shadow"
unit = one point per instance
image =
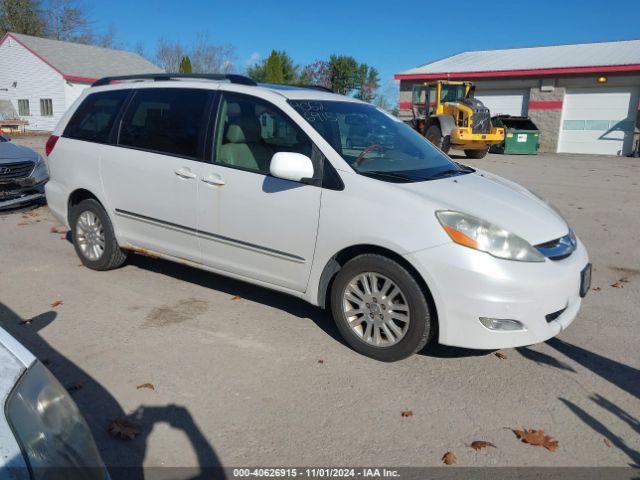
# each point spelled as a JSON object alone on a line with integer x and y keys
{"x": 124, "y": 459}
{"x": 436, "y": 350}
{"x": 543, "y": 359}
{"x": 254, "y": 293}
{"x": 271, "y": 298}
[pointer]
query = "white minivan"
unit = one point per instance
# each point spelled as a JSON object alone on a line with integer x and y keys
{"x": 318, "y": 195}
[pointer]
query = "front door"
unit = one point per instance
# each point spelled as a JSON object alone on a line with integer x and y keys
{"x": 151, "y": 176}
{"x": 250, "y": 223}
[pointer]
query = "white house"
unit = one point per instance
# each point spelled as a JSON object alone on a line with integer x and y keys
{"x": 43, "y": 77}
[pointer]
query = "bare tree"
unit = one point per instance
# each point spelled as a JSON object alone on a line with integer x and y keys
{"x": 169, "y": 55}
{"x": 139, "y": 48}
{"x": 205, "y": 57}
{"x": 66, "y": 20}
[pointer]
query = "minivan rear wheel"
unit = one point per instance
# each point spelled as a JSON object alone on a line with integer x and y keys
{"x": 93, "y": 237}
{"x": 380, "y": 309}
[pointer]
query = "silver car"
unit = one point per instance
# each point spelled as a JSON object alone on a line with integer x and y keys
{"x": 23, "y": 174}
{"x": 42, "y": 433}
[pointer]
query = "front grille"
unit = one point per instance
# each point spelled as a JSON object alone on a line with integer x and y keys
{"x": 559, "y": 248}
{"x": 481, "y": 121}
{"x": 552, "y": 316}
{"x": 15, "y": 171}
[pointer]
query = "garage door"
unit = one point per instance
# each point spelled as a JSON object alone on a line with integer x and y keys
{"x": 505, "y": 102}
{"x": 598, "y": 120}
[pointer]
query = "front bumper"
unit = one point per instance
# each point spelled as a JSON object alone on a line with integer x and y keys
{"x": 467, "y": 284}
{"x": 12, "y": 197}
{"x": 469, "y": 140}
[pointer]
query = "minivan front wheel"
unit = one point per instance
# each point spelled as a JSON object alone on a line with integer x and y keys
{"x": 380, "y": 309}
{"x": 93, "y": 237}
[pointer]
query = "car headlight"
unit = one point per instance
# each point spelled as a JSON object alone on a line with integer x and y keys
{"x": 481, "y": 235}
{"x": 41, "y": 171}
{"x": 50, "y": 429}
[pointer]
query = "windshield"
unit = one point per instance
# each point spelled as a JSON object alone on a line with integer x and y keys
{"x": 452, "y": 93}
{"x": 376, "y": 144}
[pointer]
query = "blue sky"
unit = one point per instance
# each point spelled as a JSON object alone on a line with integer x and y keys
{"x": 392, "y": 36}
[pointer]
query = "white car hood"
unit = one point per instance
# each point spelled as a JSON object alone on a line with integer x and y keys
{"x": 497, "y": 200}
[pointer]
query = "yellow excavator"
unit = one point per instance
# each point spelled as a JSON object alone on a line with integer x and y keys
{"x": 449, "y": 116}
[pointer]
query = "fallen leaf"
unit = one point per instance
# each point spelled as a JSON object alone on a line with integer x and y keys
{"x": 58, "y": 230}
{"x": 57, "y": 303}
{"x": 146, "y": 385}
{"x": 22, "y": 224}
{"x": 500, "y": 355}
{"x": 480, "y": 444}
{"x": 449, "y": 458}
{"x": 407, "y": 413}
{"x": 607, "y": 442}
{"x": 617, "y": 285}
{"x": 75, "y": 387}
{"x": 63, "y": 237}
{"x": 596, "y": 289}
{"x": 624, "y": 280}
{"x": 537, "y": 438}
{"x": 320, "y": 361}
{"x": 124, "y": 429}
{"x": 236, "y": 298}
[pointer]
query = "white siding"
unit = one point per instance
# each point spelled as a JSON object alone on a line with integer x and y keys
{"x": 73, "y": 91}
{"x": 34, "y": 80}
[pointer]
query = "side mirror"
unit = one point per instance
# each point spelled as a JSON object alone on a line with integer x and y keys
{"x": 291, "y": 166}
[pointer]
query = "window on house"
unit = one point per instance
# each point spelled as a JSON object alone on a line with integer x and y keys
{"x": 46, "y": 107}
{"x": 23, "y": 108}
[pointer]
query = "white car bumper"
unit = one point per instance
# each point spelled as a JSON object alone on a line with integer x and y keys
{"x": 57, "y": 201}
{"x": 467, "y": 284}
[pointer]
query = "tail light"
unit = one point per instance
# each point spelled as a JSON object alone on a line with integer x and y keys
{"x": 53, "y": 139}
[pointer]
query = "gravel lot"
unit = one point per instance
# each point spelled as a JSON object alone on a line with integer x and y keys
{"x": 245, "y": 376}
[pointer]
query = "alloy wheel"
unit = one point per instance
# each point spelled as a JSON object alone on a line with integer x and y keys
{"x": 376, "y": 309}
{"x": 90, "y": 235}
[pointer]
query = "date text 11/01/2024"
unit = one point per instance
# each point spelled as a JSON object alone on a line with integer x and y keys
{"x": 315, "y": 472}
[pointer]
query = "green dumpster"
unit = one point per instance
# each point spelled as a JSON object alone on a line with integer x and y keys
{"x": 521, "y": 136}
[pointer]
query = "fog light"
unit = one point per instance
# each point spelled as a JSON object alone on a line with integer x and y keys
{"x": 501, "y": 324}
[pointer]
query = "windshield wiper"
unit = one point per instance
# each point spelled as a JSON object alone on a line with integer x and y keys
{"x": 449, "y": 172}
{"x": 394, "y": 175}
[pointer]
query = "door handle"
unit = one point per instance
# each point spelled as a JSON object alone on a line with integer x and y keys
{"x": 185, "y": 173}
{"x": 213, "y": 179}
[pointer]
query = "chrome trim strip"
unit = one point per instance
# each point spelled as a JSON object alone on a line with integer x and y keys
{"x": 211, "y": 236}
{"x": 559, "y": 248}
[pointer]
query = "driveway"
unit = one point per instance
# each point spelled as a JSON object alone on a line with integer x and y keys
{"x": 240, "y": 375}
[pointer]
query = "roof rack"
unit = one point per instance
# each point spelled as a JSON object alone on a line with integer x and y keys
{"x": 317, "y": 87}
{"x": 159, "y": 77}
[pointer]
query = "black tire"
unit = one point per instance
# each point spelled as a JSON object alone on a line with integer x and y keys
{"x": 421, "y": 327}
{"x": 433, "y": 133}
{"x": 477, "y": 154}
{"x": 113, "y": 256}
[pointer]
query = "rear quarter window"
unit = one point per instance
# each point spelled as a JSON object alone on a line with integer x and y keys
{"x": 94, "y": 118}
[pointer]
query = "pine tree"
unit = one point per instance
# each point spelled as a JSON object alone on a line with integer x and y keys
{"x": 185, "y": 65}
